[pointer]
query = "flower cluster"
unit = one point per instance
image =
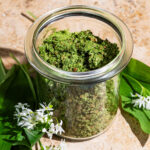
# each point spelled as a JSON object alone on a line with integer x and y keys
{"x": 141, "y": 101}
{"x": 62, "y": 146}
{"x": 41, "y": 118}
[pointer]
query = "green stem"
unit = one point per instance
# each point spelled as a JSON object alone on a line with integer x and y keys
{"x": 55, "y": 119}
{"x": 32, "y": 15}
{"x": 41, "y": 146}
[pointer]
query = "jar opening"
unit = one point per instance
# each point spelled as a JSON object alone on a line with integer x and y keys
{"x": 100, "y": 74}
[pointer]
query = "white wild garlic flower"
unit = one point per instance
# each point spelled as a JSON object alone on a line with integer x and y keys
{"x": 141, "y": 101}
{"x": 62, "y": 146}
{"x": 26, "y": 118}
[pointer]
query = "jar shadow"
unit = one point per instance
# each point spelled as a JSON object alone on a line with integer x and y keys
{"x": 4, "y": 52}
{"x": 58, "y": 138}
{"x": 7, "y": 60}
{"x": 135, "y": 127}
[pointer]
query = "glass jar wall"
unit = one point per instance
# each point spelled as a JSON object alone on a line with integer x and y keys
{"x": 87, "y": 102}
{"x": 86, "y": 110}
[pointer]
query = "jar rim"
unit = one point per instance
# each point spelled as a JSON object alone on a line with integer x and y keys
{"x": 97, "y": 75}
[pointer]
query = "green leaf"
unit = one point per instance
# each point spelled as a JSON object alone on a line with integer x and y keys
{"x": 37, "y": 87}
{"x": 147, "y": 113}
{"x": 135, "y": 78}
{"x": 15, "y": 87}
{"x": 2, "y": 71}
{"x": 12, "y": 134}
{"x": 138, "y": 70}
{"x": 146, "y": 85}
{"x": 4, "y": 86}
{"x": 21, "y": 147}
{"x": 3, "y": 144}
{"x": 137, "y": 113}
{"x": 125, "y": 88}
{"x": 15, "y": 143}
{"x": 136, "y": 85}
{"x": 33, "y": 136}
{"x": 27, "y": 76}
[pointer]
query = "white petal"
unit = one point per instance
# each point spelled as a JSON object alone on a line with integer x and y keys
{"x": 63, "y": 145}
{"x": 21, "y": 123}
{"x": 148, "y": 105}
{"x": 51, "y": 113}
{"x": 132, "y": 95}
{"x": 49, "y": 135}
{"x": 61, "y": 122}
{"x": 44, "y": 130}
{"x": 43, "y": 106}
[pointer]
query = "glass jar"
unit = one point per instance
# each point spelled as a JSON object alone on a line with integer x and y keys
{"x": 87, "y": 102}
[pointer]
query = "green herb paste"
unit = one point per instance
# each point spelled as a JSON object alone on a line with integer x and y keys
{"x": 78, "y": 51}
{"x": 86, "y": 110}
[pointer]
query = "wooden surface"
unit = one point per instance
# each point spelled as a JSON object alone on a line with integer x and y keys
{"x": 125, "y": 133}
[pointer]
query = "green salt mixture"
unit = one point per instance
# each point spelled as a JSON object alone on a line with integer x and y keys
{"x": 85, "y": 110}
{"x": 77, "y": 51}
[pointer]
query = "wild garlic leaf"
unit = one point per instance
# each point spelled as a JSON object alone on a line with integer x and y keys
{"x": 2, "y": 71}
{"x": 27, "y": 76}
{"x": 15, "y": 87}
{"x": 146, "y": 85}
{"x": 135, "y": 85}
{"x": 33, "y": 136}
{"x": 135, "y": 78}
{"x": 4, "y": 87}
{"x": 138, "y": 70}
{"x": 139, "y": 114}
{"x": 125, "y": 88}
{"x": 3, "y": 144}
{"x": 21, "y": 147}
{"x": 147, "y": 113}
